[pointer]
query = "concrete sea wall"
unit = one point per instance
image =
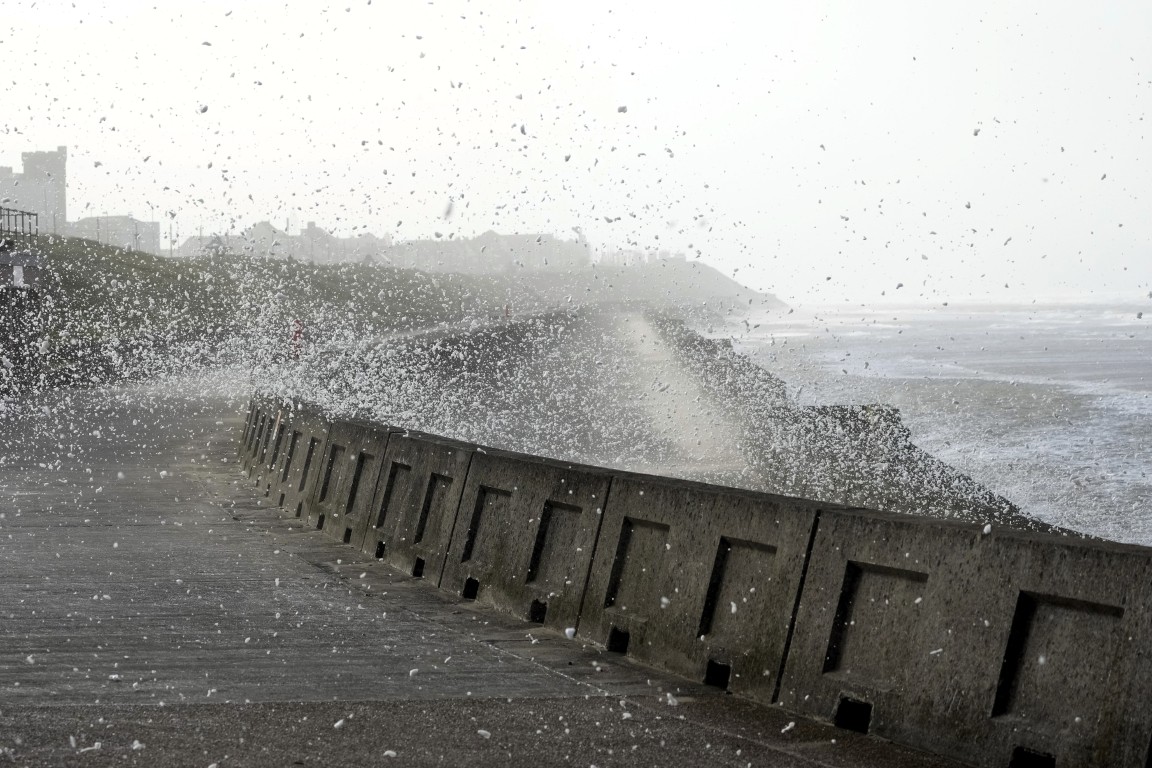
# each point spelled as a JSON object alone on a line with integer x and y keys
{"x": 994, "y": 646}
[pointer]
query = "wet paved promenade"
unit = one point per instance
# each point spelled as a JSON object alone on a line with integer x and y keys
{"x": 154, "y": 611}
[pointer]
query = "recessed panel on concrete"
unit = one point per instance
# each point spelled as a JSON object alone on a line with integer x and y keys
{"x": 257, "y": 416}
{"x": 249, "y": 427}
{"x": 992, "y": 648}
{"x": 525, "y": 535}
{"x": 349, "y": 467}
{"x": 699, "y": 579}
{"x": 272, "y": 426}
{"x": 413, "y": 507}
{"x": 1072, "y": 655}
{"x": 875, "y": 601}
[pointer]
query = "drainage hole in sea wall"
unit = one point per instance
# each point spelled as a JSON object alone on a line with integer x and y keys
{"x": 471, "y": 589}
{"x": 618, "y": 640}
{"x": 1022, "y": 757}
{"x": 379, "y": 550}
{"x": 418, "y": 568}
{"x": 853, "y": 715}
{"x": 537, "y": 611}
{"x": 718, "y": 674}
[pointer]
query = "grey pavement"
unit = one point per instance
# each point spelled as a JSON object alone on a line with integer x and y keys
{"x": 156, "y": 611}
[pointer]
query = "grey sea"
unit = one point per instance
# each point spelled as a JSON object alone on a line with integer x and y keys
{"x": 1049, "y": 406}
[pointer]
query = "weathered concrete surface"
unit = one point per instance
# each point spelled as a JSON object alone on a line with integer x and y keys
{"x": 978, "y": 644}
{"x": 292, "y": 477}
{"x": 151, "y": 602}
{"x": 525, "y": 534}
{"x": 699, "y": 579}
{"x": 415, "y": 504}
{"x": 267, "y": 423}
{"x": 351, "y": 463}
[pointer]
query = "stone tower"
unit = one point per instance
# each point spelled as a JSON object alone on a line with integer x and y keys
{"x": 45, "y": 188}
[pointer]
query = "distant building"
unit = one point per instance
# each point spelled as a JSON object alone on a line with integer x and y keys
{"x": 490, "y": 253}
{"x": 322, "y": 247}
{"x": 119, "y": 232}
{"x": 264, "y": 239}
{"x": 41, "y": 188}
{"x": 211, "y": 245}
{"x": 261, "y": 239}
{"x": 313, "y": 244}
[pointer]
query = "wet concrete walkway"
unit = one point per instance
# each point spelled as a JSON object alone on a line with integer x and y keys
{"x": 154, "y": 611}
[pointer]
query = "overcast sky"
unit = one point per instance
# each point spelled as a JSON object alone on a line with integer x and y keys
{"x": 827, "y": 151}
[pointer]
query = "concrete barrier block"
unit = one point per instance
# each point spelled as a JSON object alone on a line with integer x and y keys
{"x": 348, "y": 470}
{"x": 296, "y": 474}
{"x": 271, "y": 457}
{"x": 1014, "y": 649}
{"x": 1072, "y": 654}
{"x": 269, "y": 411}
{"x": 250, "y": 451}
{"x": 698, "y": 579}
{"x": 871, "y": 603}
{"x": 526, "y": 534}
{"x": 414, "y": 503}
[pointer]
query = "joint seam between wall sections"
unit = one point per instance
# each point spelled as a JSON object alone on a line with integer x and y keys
{"x": 455, "y": 518}
{"x": 582, "y": 605}
{"x": 796, "y": 607}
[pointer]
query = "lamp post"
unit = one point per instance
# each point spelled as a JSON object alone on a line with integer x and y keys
{"x": 151, "y": 221}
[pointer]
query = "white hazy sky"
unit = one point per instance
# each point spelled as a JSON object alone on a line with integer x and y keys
{"x": 827, "y": 151}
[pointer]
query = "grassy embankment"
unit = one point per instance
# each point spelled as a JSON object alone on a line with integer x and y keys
{"x": 106, "y": 312}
